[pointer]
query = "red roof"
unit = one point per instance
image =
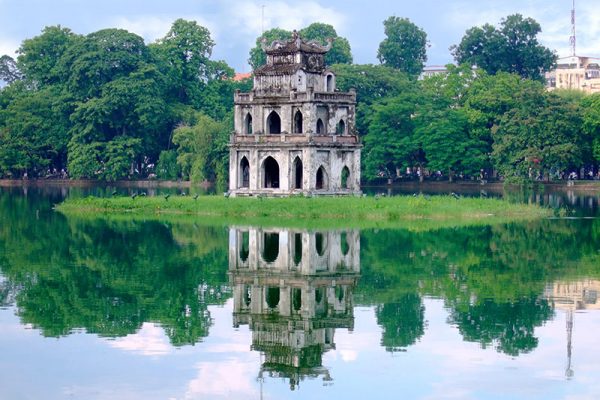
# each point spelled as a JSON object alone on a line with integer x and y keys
{"x": 240, "y": 76}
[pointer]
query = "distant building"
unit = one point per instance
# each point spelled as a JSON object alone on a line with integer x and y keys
{"x": 575, "y": 72}
{"x": 240, "y": 76}
{"x": 432, "y": 70}
{"x": 294, "y": 132}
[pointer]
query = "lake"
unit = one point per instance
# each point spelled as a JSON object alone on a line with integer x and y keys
{"x": 133, "y": 309}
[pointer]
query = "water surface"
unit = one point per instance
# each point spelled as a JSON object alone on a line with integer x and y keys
{"x": 114, "y": 309}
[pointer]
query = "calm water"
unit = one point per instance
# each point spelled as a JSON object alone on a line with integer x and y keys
{"x": 132, "y": 309}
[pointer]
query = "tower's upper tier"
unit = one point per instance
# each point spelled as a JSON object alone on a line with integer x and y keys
{"x": 286, "y": 57}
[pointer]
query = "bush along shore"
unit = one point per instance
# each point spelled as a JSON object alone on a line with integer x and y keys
{"x": 411, "y": 212}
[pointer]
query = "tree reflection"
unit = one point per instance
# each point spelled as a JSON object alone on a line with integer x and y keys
{"x": 108, "y": 277}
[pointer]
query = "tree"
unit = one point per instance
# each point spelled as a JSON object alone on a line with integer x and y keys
{"x": 113, "y": 131}
{"x": 33, "y": 133}
{"x": 390, "y": 144}
{"x": 405, "y": 46}
{"x": 541, "y": 137}
{"x": 591, "y": 122}
{"x": 372, "y": 84}
{"x": 340, "y": 52}
{"x": 40, "y": 58}
{"x": 446, "y": 139}
{"x": 511, "y": 48}
{"x": 202, "y": 149}
{"x": 100, "y": 58}
{"x": 183, "y": 55}
{"x": 9, "y": 72}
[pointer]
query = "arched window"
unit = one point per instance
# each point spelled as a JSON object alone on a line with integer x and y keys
{"x": 270, "y": 172}
{"x": 341, "y": 127}
{"x": 274, "y": 123}
{"x": 320, "y": 127}
{"x": 321, "y": 179}
{"x": 298, "y": 122}
{"x": 270, "y": 246}
{"x": 248, "y": 124}
{"x": 345, "y": 177}
{"x": 297, "y": 173}
{"x": 244, "y": 173}
{"x": 330, "y": 83}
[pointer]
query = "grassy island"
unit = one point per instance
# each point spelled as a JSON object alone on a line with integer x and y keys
{"x": 411, "y": 212}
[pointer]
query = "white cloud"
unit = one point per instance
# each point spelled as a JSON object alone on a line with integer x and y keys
{"x": 248, "y": 16}
{"x": 152, "y": 27}
{"x": 8, "y": 46}
{"x": 231, "y": 379}
{"x": 150, "y": 340}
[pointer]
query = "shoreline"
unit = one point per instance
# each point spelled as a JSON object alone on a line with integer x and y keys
{"x": 411, "y": 212}
{"x": 584, "y": 185}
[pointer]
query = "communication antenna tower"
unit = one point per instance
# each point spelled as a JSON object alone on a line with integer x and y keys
{"x": 573, "y": 38}
{"x": 262, "y": 19}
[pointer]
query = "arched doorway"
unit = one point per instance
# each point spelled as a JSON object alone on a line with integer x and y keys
{"x": 320, "y": 127}
{"x": 274, "y": 123}
{"x": 341, "y": 127}
{"x": 244, "y": 173}
{"x": 270, "y": 172}
{"x": 321, "y": 183}
{"x": 298, "y": 122}
{"x": 345, "y": 177}
{"x": 248, "y": 124}
{"x": 297, "y": 173}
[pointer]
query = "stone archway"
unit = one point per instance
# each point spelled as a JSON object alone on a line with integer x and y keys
{"x": 320, "y": 127}
{"x": 297, "y": 177}
{"x": 270, "y": 173}
{"x": 322, "y": 182}
{"x": 298, "y": 122}
{"x": 273, "y": 123}
{"x": 248, "y": 124}
{"x": 244, "y": 173}
{"x": 345, "y": 177}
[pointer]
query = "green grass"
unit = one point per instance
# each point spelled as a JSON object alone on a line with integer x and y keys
{"x": 415, "y": 213}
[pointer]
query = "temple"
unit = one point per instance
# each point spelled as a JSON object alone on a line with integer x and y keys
{"x": 294, "y": 132}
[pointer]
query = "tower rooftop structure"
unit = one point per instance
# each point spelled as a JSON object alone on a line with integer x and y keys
{"x": 294, "y": 133}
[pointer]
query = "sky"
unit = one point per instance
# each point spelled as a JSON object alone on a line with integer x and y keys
{"x": 235, "y": 24}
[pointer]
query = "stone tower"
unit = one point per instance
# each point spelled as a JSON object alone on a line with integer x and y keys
{"x": 294, "y": 133}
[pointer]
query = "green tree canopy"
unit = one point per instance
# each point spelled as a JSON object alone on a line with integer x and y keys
{"x": 183, "y": 55}
{"x": 513, "y": 47}
{"x": 405, "y": 46}
{"x": 542, "y": 136}
{"x": 202, "y": 149}
{"x": 340, "y": 52}
{"x": 40, "y": 58}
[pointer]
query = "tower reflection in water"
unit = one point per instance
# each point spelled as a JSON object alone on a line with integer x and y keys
{"x": 293, "y": 288}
